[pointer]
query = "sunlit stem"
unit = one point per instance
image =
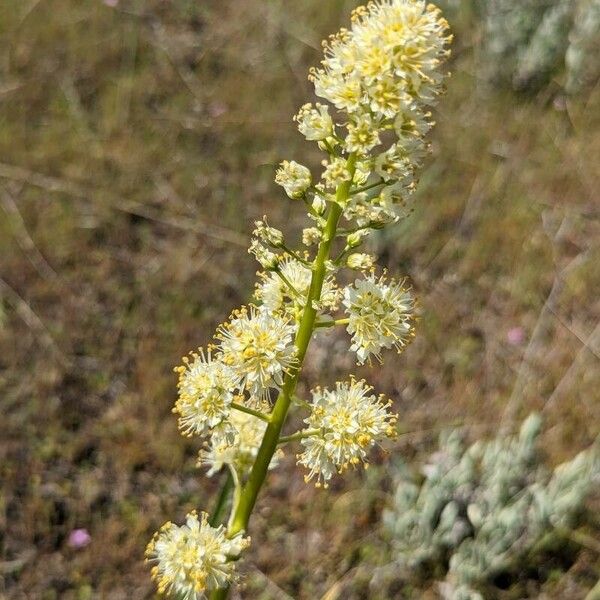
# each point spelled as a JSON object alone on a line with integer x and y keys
{"x": 332, "y": 323}
{"x": 299, "y": 435}
{"x": 295, "y": 255}
{"x": 251, "y": 411}
{"x": 219, "y": 510}
{"x": 288, "y": 284}
{"x": 367, "y": 187}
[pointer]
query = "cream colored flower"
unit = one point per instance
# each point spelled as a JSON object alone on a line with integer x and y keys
{"x": 343, "y": 425}
{"x": 393, "y": 164}
{"x": 293, "y": 177}
{"x": 314, "y": 122}
{"x": 360, "y": 261}
{"x": 205, "y": 393}
{"x": 363, "y": 134}
{"x": 258, "y": 346}
{"x": 394, "y": 48}
{"x": 237, "y": 451}
{"x": 275, "y": 294}
{"x": 336, "y": 172}
{"x": 193, "y": 559}
{"x": 381, "y": 315}
{"x": 311, "y": 236}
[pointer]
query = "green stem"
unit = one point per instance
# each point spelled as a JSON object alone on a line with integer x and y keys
{"x": 367, "y": 187}
{"x": 217, "y": 514}
{"x": 332, "y": 323}
{"x": 268, "y": 446}
{"x": 299, "y": 435}
{"x": 288, "y": 283}
{"x": 295, "y": 255}
{"x": 251, "y": 411}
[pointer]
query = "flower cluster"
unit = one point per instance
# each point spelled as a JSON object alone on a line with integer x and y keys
{"x": 380, "y": 315}
{"x": 238, "y": 451}
{"x": 257, "y": 344}
{"x": 343, "y": 425}
{"x": 194, "y": 558}
{"x": 205, "y": 393}
{"x": 380, "y": 78}
{"x": 287, "y": 288}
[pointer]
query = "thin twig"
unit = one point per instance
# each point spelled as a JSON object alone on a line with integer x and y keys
{"x": 250, "y": 411}
{"x": 32, "y": 321}
{"x": 24, "y": 239}
{"x": 56, "y": 185}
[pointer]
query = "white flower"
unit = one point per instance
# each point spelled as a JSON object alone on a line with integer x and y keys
{"x": 375, "y": 212}
{"x": 362, "y": 134}
{"x": 390, "y": 56}
{"x": 192, "y": 559}
{"x": 346, "y": 93}
{"x": 411, "y": 126}
{"x": 275, "y": 294}
{"x": 360, "y": 261}
{"x": 265, "y": 257}
{"x": 380, "y": 316}
{"x": 205, "y": 393}
{"x": 238, "y": 451}
{"x": 314, "y": 122}
{"x": 293, "y": 177}
{"x": 361, "y": 172}
{"x": 311, "y": 236}
{"x": 258, "y": 345}
{"x": 388, "y": 96}
{"x": 336, "y": 172}
{"x": 393, "y": 164}
{"x": 343, "y": 425}
{"x": 267, "y": 234}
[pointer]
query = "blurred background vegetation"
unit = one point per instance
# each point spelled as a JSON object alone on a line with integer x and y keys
{"x": 137, "y": 146}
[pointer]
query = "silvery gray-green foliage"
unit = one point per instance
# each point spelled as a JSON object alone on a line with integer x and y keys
{"x": 481, "y": 508}
{"x": 546, "y": 47}
{"x": 582, "y": 62}
{"x": 508, "y": 26}
{"x": 525, "y": 42}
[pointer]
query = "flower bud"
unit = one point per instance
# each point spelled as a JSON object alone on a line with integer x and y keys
{"x": 319, "y": 204}
{"x": 294, "y": 178}
{"x": 268, "y": 260}
{"x": 310, "y": 236}
{"x": 268, "y": 234}
{"x": 314, "y": 123}
{"x": 360, "y": 261}
{"x": 355, "y": 239}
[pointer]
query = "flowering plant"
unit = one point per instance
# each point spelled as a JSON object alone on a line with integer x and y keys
{"x": 379, "y": 78}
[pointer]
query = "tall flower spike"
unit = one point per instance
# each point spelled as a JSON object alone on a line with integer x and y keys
{"x": 193, "y": 559}
{"x": 258, "y": 346}
{"x": 380, "y": 314}
{"x": 343, "y": 425}
{"x": 379, "y": 78}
